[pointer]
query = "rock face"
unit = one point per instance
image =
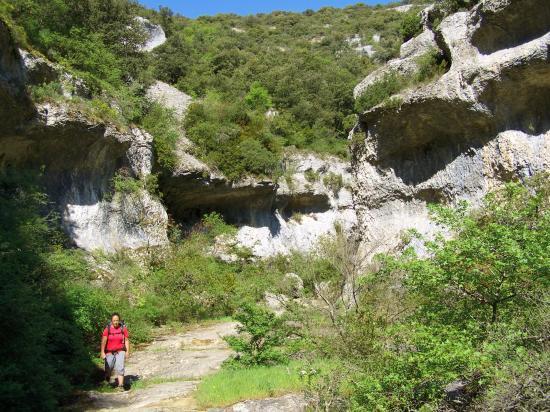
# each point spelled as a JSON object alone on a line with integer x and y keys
{"x": 79, "y": 157}
{"x": 483, "y": 122}
{"x": 307, "y": 203}
{"x": 155, "y": 34}
{"x": 286, "y": 403}
{"x": 273, "y": 217}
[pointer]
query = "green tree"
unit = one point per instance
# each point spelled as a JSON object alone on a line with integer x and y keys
{"x": 498, "y": 258}
{"x": 258, "y": 97}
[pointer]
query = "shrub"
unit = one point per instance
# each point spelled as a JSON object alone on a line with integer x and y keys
{"x": 45, "y": 354}
{"x": 258, "y": 97}
{"x": 520, "y": 385}
{"x": 333, "y": 181}
{"x": 376, "y": 93}
{"x": 430, "y": 65}
{"x": 126, "y": 184}
{"x": 410, "y": 26}
{"x": 261, "y": 334}
{"x": 47, "y": 92}
{"x": 452, "y": 6}
{"x": 415, "y": 375}
{"x": 216, "y": 226}
{"x": 312, "y": 176}
{"x": 163, "y": 126}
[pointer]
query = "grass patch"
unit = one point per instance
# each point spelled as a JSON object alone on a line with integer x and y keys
{"x": 230, "y": 386}
{"x": 146, "y": 383}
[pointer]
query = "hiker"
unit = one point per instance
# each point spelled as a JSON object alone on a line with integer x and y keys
{"x": 115, "y": 346}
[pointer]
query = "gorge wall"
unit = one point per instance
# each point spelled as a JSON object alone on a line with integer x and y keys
{"x": 483, "y": 122}
{"x": 273, "y": 217}
{"x": 78, "y": 156}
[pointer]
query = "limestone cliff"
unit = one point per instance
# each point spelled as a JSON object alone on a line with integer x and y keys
{"x": 485, "y": 121}
{"x": 273, "y": 217}
{"x": 78, "y": 155}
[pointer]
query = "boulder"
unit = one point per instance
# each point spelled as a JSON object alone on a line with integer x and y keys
{"x": 155, "y": 34}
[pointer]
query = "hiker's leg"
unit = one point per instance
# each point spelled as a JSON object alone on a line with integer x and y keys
{"x": 119, "y": 367}
{"x": 109, "y": 364}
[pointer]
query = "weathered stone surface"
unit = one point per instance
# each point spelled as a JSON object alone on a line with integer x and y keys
{"x": 169, "y": 97}
{"x": 287, "y": 403}
{"x": 304, "y": 207}
{"x": 483, "y": 122}
{"x": 79, "y": 158}
{"x": 405, "y": 65}
{"x": 155, "y": 34}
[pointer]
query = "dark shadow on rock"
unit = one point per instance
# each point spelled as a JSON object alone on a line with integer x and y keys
{"x": 129, "y": 380}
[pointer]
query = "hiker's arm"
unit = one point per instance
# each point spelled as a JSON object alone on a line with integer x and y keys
{"x": 127, "y": 344}
{"x": 103, "y": 343}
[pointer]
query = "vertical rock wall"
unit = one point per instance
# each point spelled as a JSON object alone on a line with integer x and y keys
{"x": 484, "y": 122}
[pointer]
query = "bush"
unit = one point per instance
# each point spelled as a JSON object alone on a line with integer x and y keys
{"x": 472, "y": 309}
{"x": 311, "y": 175}
{"x": 376, "y": 93}
{"x": 215, "y": 225}
{"x": 520, "y": 385}
{"x": 430, "y": 65}
{"x": 410, "y": 26}
{"x": 163, "y": 126}
{"x": 126, "y": 184}
{"x": 47, "y": 92}
{"x": 452, "y": 6}
{"x": 258, "y": 97}
{"x": 45, "y": 353}
{"x": 261, "y": 334}
{"x": 232, "y": 138}
{"x": 333, "y": 181}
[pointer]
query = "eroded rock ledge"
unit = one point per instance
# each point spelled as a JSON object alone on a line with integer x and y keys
{"x": 483, "y": 122}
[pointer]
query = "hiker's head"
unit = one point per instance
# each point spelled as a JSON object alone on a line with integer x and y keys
{"x": 115, "y": 319}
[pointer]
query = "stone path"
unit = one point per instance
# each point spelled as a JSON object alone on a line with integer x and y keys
{"x": 171, "y": 368}
{"x": 180, "y": 360}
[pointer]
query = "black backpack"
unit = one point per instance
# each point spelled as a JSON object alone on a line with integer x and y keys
{"x": 122, "y": 327}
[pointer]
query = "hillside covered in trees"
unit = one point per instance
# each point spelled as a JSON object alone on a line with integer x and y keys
{"x": 300, "y": 66}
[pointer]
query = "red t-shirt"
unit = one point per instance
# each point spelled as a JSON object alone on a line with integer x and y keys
{"x": 115, "y": 340}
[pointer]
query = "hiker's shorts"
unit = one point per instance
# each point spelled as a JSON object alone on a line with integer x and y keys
{"x": 115, "y": 362}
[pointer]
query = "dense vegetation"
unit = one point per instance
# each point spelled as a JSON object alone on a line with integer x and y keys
{"x": 472, "y": 313}
{"x": 395, "y": 332}
{"x": 302, "y": 66}
{"x": 54, "y": 300}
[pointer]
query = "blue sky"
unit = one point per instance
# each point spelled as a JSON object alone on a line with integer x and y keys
{"x": 194, "y": 8}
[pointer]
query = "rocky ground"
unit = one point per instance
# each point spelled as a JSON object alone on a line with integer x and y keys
{"x": 165, "y": 374}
